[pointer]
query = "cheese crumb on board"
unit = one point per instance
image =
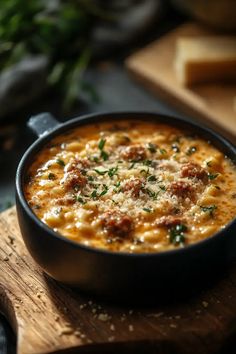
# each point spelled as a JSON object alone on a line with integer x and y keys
{"x": 205, "y": 59}
{"x": 131, "y": 328}
{"x": 205, "y": 304}
{"x": 104, "y": 317}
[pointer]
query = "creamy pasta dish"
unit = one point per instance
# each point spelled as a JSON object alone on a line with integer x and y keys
{"x": 132, "y": 186}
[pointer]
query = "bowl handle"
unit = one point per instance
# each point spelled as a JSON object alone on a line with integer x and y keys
{"x": 42, "y": 123}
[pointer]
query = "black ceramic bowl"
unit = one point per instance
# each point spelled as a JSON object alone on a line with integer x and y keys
{"x": 119, "y": 275}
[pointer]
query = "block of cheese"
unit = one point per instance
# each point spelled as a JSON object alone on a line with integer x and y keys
{"x": 205, "y": 59}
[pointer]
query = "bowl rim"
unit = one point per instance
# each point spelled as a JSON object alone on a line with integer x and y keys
{"x": 103, "y": 117}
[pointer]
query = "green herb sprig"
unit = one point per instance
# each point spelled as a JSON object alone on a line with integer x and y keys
{"x": 60, "y": 162}
{"x": 152, "y": 178}
{"x": 191, "y": 150}
{"x": 51, "y": 176}
{"x": 176, "y": 234}
{"x": 148, "y": 210}
{"x": 104, "y": 155}
{"x": 112, "y": 171}
{"x": 212, "y": 176}
{"x": 152, "y": 147}
{"x": 81, "y": 200}
{"x": 209, "y": 209}
{"x": 163, "y": 151}
{"x": 100, "y": 172}
{"x": 60, "y": 31}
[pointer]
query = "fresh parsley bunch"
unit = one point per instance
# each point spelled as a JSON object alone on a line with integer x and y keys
{"x": 58, "y": 29}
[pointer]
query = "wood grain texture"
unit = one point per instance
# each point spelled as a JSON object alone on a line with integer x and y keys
{"x": 153, "y": 67}
{"x": 50, "y": 318}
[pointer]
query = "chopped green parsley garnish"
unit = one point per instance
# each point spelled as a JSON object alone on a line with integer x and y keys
{"x": 100, "y": 172}
{"x": 176, "y": 139}
{"x": 151, "y": 193}
{"x": 209, "y": 209}
{"x": 51, "y": 176}
{"x": 112, "y": 171}
{"x": 152, "y": 147}
{"x": 94, "y": 194}
{"x": 145, "y": 172}
{"x": 152, "y": 178}
{"x": 94, "y": 158}
{"x": 83, "y": 172}
{"x": 60, "y": 162}
{"x": 81, "y": 200}
{"x": 163, "y": 188}
{"x": 105, "y": 190}
{"x": 101, "y": 144}
{"x": 177, "y": 234}
{"x": 104, "y": 155}
{"x": 147, "y": 162}
{"x": 147, "y": 210}
{"x": 212, "y": 176}
{"x": 58, "y": 211}
{"x": 208, "y": 163}
{"x": 132, "y": 165}
{"x": 163, "y": 151}
{"x": 76, "y": 187}
{"x": 191, "y": 150}
{"x": 175, "y": 148}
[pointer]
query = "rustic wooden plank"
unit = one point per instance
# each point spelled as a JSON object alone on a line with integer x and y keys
{"x": 49, "y": 317}
{"x": 153, "y": 67}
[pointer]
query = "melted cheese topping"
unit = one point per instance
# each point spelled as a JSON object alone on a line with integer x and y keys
{"x": 132, "y": 186}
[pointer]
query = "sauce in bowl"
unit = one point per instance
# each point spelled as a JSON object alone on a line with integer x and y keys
{"x": 132, "y": 186}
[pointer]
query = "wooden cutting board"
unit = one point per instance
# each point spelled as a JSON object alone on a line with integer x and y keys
{"x": 153, "y": 67}
{"x": 51, "y": 318}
